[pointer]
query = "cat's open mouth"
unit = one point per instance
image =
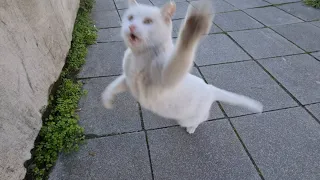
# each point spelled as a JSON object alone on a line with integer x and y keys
{"x": 133, "y": 38}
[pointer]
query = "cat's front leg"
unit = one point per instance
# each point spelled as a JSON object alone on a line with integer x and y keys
{"x": 198, "y": 22}
{"x": 117, "y": 86}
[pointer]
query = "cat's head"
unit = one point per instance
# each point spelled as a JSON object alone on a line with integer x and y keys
{"x": 146, "y": 26}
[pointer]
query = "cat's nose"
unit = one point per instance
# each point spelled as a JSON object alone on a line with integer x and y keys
{"x": 132, "y": 28}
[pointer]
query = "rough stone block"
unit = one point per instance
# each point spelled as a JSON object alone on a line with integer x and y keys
{"x": 284, "y": 144}
{"x": 299, "y": 74}
{"x": 271, "y": 16}
{"x": 35, "y": 37}
{"x": 234, "y": 21}
{"x": 103, "y": 59}
{"x": 213, "y": 151}
{"x": 264, "y": 43}
{"x": 248, "y": 79}
{"x": 124, "y": 117}
{"x": 304, "y": 35}
{"x": 216, "y": 49}
{"x": 114, "y": 157}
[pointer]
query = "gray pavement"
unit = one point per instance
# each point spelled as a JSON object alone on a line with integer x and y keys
{"x": 266, "y": 49}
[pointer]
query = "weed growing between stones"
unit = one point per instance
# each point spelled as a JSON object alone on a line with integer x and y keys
{"x": 60, "y": 131}
{"x": 313, "y": 3}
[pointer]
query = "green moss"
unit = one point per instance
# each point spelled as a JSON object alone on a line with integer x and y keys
{"x": 313, "y": 3}
{"x": 60, "y": 131}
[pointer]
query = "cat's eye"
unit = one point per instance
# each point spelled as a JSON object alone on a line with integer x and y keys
{"x": 147, "y": 21}
{"x": 130, "y": 18}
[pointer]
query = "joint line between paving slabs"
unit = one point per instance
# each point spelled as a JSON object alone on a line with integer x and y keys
{"x": 242, "y": 143}
{"x": 95, "y": 77}
{"x": 270, "y": 29}
{"x": 235, "y": 131}
{"x": 111, "y": 27}
{"x": 115, "y": 5}
{"x": 277, "y": 6}
{"x": 318, "y": 59}
{"x": 288, "y": 39}
{"x": 151, "y": 2}
{"x": 147, "y": 141}
{"x": 278, "y": 82}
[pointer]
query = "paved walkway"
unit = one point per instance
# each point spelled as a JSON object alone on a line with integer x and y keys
{"x": 268, "y": 52}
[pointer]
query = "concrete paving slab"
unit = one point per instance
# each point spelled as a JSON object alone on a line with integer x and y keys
{"x": 271, "y": 16}
{"x": 213, "y": 151}
{"x": 264, "y": 43}
{"x": 299, "y": 74}
{"x": 302, "y": 11}
{"x": 304, "y": 35}
{"x": 245, "y": 4}
{"x": 315, "y": 110}
{"x": 97, "y": 120}
{"x": 103, "y": 59}
{"x": 216, "y": 48}
{"x": 235, "y": 21}
{"x": 284, "y": 144}
{"x": 115, "y": 157}
{"x": 109, "y": 35}
{"x": 106, "y": 19}
{"x": 247, "y": 78}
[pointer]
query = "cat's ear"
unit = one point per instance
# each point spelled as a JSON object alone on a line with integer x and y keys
{"x": 168, "y": 10}
{"x": 132, "y": 2}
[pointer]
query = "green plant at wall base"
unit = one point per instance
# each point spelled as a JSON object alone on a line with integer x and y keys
{"x": 60, "y": 131}
{"x": 313, "y": 3}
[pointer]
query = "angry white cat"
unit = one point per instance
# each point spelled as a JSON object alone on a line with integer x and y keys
{"x": 156, "y": 71}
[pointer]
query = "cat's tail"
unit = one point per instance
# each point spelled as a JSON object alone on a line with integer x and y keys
{"x": 236, "y": 99}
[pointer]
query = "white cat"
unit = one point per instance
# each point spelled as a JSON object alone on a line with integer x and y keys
{"x": 157, "y": 73}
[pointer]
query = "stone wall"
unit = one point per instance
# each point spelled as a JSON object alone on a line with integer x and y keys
{"x": 35, "y": 36}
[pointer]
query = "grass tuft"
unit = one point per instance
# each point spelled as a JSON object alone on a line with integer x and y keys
{"x": 313, "y": 3}
{"x": 60, "y": 131}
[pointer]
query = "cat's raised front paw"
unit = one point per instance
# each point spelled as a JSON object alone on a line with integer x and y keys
{"x": 198, "y": 20}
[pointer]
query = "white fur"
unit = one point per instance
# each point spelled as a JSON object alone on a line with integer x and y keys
{"x": 157, "y": 73}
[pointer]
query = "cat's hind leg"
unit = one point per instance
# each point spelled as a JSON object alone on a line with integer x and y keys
{"x": 192, "y": 123}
